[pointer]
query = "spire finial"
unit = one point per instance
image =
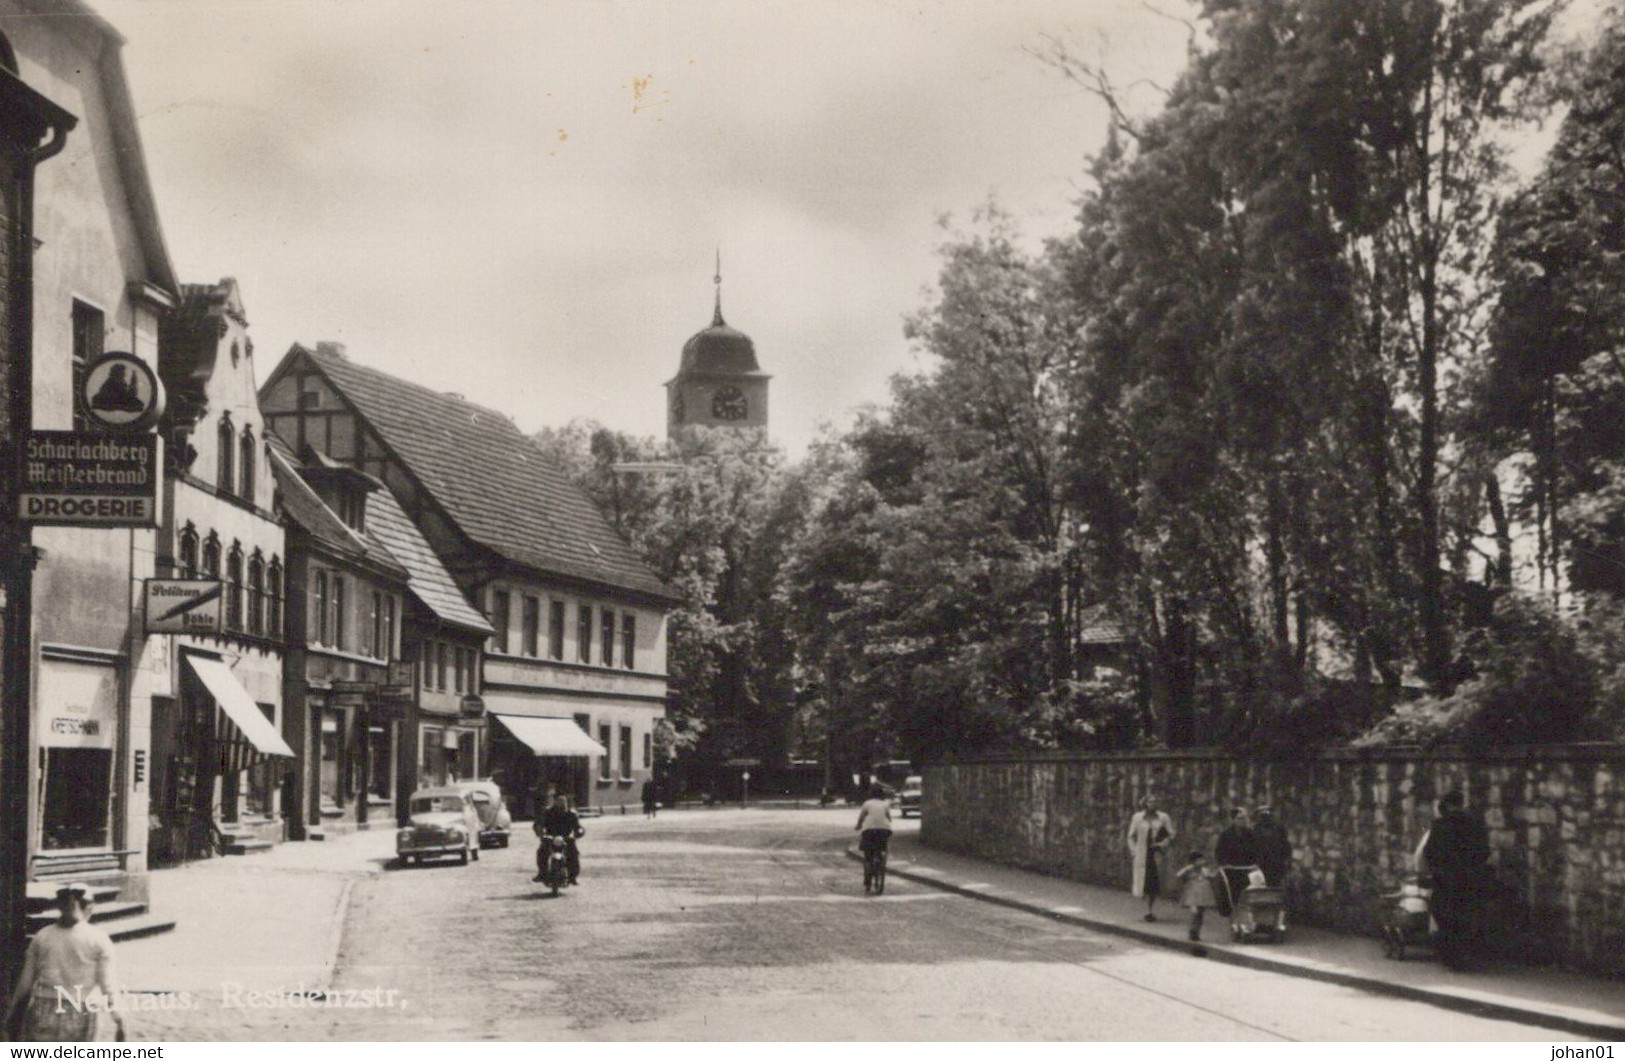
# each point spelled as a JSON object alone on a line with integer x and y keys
{"x": 716, "y": 316}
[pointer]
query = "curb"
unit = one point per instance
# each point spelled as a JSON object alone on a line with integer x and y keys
{"x": 1219, "y": 952}
{"x": 335, "y": 934}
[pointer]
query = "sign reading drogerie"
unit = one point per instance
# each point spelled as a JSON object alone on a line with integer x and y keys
{"x": 79, "y": 479}
{"x": 183, "y": 605}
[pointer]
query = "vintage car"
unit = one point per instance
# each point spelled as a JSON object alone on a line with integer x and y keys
{"x": 443, "y": 822}
{"x": 908, "y": 800}
{"x": 495, "y": 822}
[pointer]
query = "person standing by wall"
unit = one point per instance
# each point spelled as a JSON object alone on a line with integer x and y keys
{"x": 1273, "y": 848}
{"x": 1237, "y": 848}
{"x": 1456, "y": 856}
{"x": 67, "y": 979}
{"x": 1149, "y": 833}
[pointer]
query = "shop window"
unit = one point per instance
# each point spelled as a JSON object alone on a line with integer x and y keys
{"x": 626, "y": 753}
{"x": 273, "y": 599}
{"x": 603, "y": 760}
{"x": 629, "y": 639}
{"x": 78, "y": 798}
{"x": 380, "y": 761}
{"x": 89, "y": 333}
{"x": 467, "y": 755}
{"x": 499, "y": 618}
{"x": 226, "y": 444}
{"x": 256, "y": 595}
{"x": 234, "y": 588}
{"x": 584, "y": 633}
{"x": 532, "y": 620}
{"x": 188, "y": 552}
{"x": 321, "y": 608}
{"x": 606, "y": 633}
{"x": 555, "y": 629}
{"x": 245, "y": 465}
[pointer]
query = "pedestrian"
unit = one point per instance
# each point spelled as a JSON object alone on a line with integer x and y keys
{"x": 1196, "y": 890}
{"x": 1456, "y": 856}
{"x": 67, "y": 978}
{"x": 1236, "y": 849}
{"x": 651, "y": 798}
{"x": 1149, "y": 833}
{"x": 1274, "y": 849}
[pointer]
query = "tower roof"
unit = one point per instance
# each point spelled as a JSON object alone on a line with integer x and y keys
{"x": 719, "y": 349}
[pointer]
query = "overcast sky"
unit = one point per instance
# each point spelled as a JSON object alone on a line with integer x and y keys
{"x": 520, "y": 201}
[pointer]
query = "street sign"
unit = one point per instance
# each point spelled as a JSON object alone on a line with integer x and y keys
{"x": 79, "y": 479}
{"x": 183, "y": 605}
{"x": 119, "y": 392}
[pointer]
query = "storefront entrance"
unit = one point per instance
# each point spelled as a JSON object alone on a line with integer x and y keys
{"x": 78, "y": 724}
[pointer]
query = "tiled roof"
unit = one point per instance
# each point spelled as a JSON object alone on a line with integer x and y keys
{"x": 430, "y": 582}
{"x": 301, "y": 505}
{"x": 490, "y": 478}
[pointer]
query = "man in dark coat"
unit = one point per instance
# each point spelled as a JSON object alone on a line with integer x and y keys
{"x": 1236, "y": 848}
{"x": 1456, "y": 856}
{"x": 1274, "y": 849}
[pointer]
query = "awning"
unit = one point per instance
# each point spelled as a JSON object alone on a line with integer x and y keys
{"x": 551, "y": 736}
{"x": 243, "y": 733}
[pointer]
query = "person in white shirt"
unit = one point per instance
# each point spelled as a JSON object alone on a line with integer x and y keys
{"x": 874, "y": 827}
{"x": 67, "y": 978}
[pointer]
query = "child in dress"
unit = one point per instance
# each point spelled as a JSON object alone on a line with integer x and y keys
{"x": 1196, "y": 890}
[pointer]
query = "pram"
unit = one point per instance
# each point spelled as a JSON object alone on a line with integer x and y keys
{"x": 1405, "y": 919}
{"x": 1257, "y": 911}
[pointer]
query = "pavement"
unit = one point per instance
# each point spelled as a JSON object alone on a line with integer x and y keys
{"x": 1550, "y": 998}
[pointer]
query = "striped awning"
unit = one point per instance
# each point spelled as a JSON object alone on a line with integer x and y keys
{"x": 244, "y": 736}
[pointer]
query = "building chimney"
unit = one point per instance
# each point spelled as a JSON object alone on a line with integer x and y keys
{"x": 326, "y": 347}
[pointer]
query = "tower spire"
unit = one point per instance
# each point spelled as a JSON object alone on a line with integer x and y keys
{"x": 716, "y": 316}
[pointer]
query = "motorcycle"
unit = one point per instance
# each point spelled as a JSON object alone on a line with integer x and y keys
{"x": 553, "y": 862}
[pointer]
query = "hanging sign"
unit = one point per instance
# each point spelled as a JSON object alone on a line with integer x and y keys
{"x": 120, "y": 393}
{"x": 183, "y": 605}
{"x": 79, "y": 479}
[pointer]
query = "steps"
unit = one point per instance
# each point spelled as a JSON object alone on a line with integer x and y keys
{"x": 120, "y": 920}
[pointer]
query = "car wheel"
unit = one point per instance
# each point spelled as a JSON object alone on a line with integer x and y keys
{"x": 476, "y": 853}
{"x": 462, "y": 857}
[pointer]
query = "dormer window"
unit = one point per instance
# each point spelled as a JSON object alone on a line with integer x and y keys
{"x": 227, "y": 452}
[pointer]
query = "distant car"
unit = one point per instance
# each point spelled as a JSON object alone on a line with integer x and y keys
{"x": 444, "y": 823}
{"x": 908, "y": 800}
{"x": 496, "y": 824}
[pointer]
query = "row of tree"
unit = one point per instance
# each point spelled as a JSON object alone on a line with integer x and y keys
{"x": 1250, "y": 456}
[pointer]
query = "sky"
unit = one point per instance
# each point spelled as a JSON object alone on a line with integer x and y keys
{"x": 521, "y": 202}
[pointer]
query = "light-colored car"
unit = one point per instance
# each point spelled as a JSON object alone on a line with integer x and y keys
{"x": 908, "y": 800}
{"x": 443, "y": 823}
{"x": 496, "y": 823}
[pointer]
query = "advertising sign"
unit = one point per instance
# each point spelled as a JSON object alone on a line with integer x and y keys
{"x": 76, "y": 479}
{"x": 183, "y": 605}
{"x": 121, "y": 393}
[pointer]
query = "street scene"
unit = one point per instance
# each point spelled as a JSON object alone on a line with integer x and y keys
{"x": 528, "y": 520}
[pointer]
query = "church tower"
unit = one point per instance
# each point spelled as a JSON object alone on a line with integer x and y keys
{"x": 718, "y": 382}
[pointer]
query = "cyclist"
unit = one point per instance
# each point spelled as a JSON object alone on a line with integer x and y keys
{"x": 874, "y": 830}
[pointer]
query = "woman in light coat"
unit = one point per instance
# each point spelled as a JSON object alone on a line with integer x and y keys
{"x": 1149, "y": 833}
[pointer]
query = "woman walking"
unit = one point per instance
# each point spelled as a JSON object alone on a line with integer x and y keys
{"x": 1149, "y": 833}
{"x": 67, "y": 977}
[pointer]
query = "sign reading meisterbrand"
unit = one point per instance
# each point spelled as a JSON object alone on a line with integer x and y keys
{"x": 77, "y": 479}
{"x": 183, "y": 605}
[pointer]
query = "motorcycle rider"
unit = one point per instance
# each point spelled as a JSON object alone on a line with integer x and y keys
{"x": 559, "y": 820}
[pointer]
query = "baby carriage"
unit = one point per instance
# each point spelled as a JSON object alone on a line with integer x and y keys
{"x": 1404, "y": 918}
{"x": 1257, "y": 911}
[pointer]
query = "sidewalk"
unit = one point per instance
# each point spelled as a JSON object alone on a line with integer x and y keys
{"x": 1569, "y": 1002}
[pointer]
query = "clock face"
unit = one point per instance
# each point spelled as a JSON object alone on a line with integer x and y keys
{"x": 677, "y": 407}
{"x": 729, "y": 404}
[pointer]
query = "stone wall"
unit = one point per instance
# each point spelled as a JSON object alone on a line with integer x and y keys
{"x": 1556, "y": 818}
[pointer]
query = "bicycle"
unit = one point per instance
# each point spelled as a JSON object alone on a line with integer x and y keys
{"x": 874, "y": 872}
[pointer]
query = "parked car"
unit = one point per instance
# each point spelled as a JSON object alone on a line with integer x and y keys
{"x": 908, "y": 800}
{"x": 496, "y": 824}
{"x": 443, "y": 823}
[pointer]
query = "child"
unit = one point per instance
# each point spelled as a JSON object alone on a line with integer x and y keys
{"x": 1196, "y": 890}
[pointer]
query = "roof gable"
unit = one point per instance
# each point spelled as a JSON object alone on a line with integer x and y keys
{"x": 430, "y": 582}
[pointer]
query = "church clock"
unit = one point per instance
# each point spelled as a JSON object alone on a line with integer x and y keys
{"x": 729, "y": 404}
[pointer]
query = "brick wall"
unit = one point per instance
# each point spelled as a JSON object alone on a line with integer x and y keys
{"x": 1556, "y": 819}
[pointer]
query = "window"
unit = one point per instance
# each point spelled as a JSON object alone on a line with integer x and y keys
{"x": 499, "y": 618}
{"x": 648, "y": 751}
{"x": 584, "y": 632}
{"x": 440, "y": 665}
{"x": 457, "y": 669}
{"x": 227, "y": 446}
{"x": 428, "y": 665}
{"x": 234, "y": 588}
{"x": 603, "y": 760}
{"x": 321, "y": 607}
{"x": 256, "y": 595}
{"x": 606, "y": 630}
{"x": 532, "y": 619}
{"x": 555, "y": 629}
{"x": 273, "y": 599}
{"x": 188, "y": 551}
{"x": 626, "y": 753}
{"x": 338, "y": 611}
{"x": 89, "y": 333}
{"x": 386, "y": 647}
{"x": 473, "y": 669}
{"x": 245, "y": 465}
{"x": 629, "y": 639}
{"x": 211, "y": 557}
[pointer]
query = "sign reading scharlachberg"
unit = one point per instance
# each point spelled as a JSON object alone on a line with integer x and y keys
{"x": 71, "y": 478}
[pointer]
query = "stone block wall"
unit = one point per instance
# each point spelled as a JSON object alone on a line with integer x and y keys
{"x": 1555, "y": 814}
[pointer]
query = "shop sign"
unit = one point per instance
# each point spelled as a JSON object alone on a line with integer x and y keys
{"x": 120, "y": 393}
{"x": 80, "y": 479}
{"x": 184, "y": 605}
{"x": 472, "y": 707}
{"x": 78, "y": 704}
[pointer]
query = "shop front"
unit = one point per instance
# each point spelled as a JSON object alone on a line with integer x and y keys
{"x": 535, "y": 755}
{"x": 77, "y": 731}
